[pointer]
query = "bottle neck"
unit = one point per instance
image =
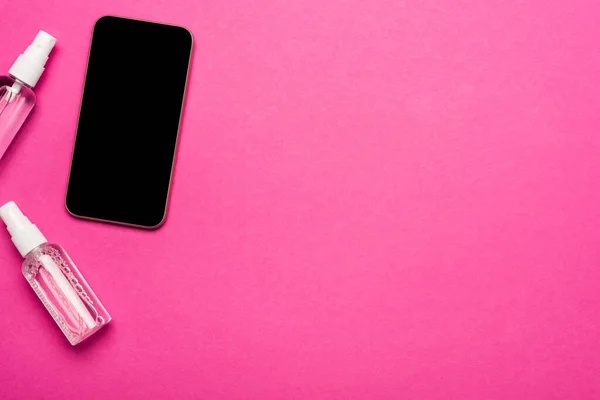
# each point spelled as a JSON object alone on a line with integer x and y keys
{"x": 15, "y": 89}
{"x": 19, "y": 83}
{"x": 28, "y": 238}
{"x": 36, "y": 248}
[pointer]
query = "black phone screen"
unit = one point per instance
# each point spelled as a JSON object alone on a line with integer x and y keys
{"x": 129, "y": 122}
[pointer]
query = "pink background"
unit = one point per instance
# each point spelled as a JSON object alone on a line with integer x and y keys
{"x": 372, "y": 200}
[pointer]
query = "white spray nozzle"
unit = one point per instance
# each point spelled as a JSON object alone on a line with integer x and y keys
{"x": 25, "y": 235}
{"x": 13, "y": 217}
{"x": 44, "y": 41}
{"x": 29, "y": 66}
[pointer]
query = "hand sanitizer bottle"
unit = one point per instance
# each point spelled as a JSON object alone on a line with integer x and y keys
{"x": 16, "y": 94}
{"x": 55, "y": 279}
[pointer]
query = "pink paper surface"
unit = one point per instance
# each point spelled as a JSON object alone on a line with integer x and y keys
{"x": 372, "y": 200}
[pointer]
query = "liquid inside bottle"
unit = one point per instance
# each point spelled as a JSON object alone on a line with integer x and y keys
{"x": 65, "y": 293}
{"x": 16, "y": 102}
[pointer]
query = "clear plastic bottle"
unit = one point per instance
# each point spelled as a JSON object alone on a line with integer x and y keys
{"x": 16, "y": 95}
{"x": 55, "y": 279}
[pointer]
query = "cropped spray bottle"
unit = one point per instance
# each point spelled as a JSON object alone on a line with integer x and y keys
{"x": 55, "y": 279}
{"x": 16, "y": 95}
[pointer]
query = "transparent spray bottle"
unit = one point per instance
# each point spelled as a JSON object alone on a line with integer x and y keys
{"x": 55, "y": 279}
{"x": 16, "y": 95}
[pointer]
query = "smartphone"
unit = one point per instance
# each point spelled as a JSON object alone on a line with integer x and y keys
{"x": 129, "y": 121}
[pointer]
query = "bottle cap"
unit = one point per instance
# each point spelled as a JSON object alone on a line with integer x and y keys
{"x": 25, "y": 235}
{"x": 29, "y": 66}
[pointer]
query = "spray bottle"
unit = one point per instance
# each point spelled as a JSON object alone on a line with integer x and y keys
{"x": 16, "y": 90}
{"x": 55, "y": 278}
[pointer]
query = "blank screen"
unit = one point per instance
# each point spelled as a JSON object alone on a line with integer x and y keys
{"x": 129, "y": 122}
